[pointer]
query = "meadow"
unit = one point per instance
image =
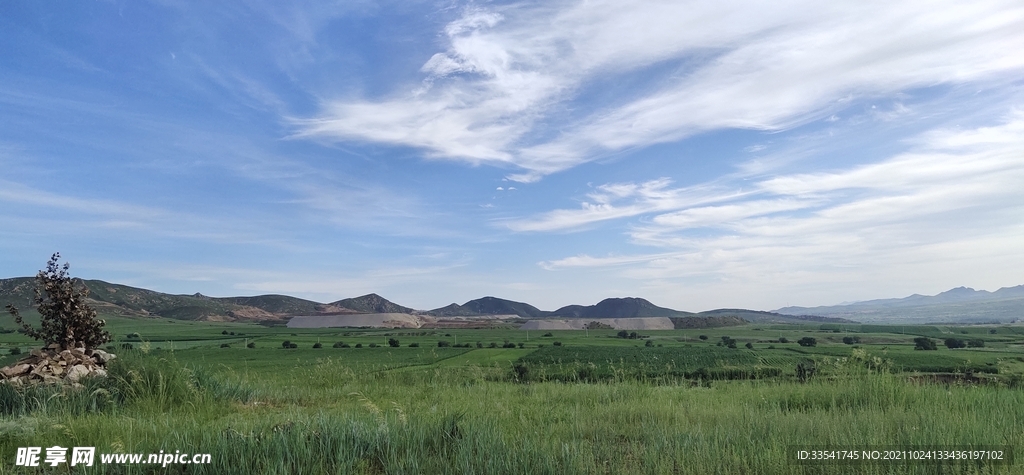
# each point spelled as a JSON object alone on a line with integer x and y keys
{"x": 562, "y": 402}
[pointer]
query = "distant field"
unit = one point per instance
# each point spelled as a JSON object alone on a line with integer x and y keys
{"x": 558, "y": 401}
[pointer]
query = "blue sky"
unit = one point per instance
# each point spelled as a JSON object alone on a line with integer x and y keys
{"x": 697, "y": 154}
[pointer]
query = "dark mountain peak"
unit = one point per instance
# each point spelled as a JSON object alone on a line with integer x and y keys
{"x": 372, "y": 303}
{"x": 621, "y": 307}
{"x": 489, "y": 306}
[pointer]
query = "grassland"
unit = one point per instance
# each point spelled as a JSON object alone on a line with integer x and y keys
{"x": 593, "y": 403}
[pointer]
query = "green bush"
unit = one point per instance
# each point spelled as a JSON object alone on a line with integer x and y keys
{"x": 225, "y": 345}
{"x": 975, "y": 343}
{"x": 924, "y": 343}
{"x": 703, "y": 337}
{"x": 317, "y": 345}
{"x": 444, "y": 344}
{"x": 807, "y": 341}
{"x": 414, "y": 345}
{"x": 15, "y": 351}
{"x": 340, "y": 345}
{"x": 251, "y": 344}
{"x": 392, "y": 342}
{"x": 953, "y": 343}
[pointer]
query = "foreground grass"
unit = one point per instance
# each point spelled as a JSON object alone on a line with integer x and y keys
{"x": 328, "y": 415}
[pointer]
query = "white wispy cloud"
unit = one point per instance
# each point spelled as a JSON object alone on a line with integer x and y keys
{"x": 623, "y": 200}
{"x": 509, "y": 73}
{"x": 956, "y": 196}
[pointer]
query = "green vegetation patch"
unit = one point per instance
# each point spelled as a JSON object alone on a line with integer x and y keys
{"x": 618, "y": 363}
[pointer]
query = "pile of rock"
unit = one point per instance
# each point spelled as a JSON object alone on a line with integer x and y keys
{"x": 54, "y": 364}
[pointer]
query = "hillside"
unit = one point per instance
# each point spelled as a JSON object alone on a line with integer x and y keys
{"x": 489, "y": 306}
{"x": 769, "y": 317}
{"x": 957, "y": 305}
{"x": 371, "y": 303}
{"x": 628, "y": 307}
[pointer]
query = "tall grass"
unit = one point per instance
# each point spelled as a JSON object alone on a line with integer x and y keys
{"x": 323, "y": 419}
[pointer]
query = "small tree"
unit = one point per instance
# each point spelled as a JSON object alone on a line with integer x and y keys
{"x": 393, "y": 342}
{"x": 65, "y": 318}
{"x": 924, "y": 343}
{"x": 953, "y": 343}
{"x": 807, "y": 341}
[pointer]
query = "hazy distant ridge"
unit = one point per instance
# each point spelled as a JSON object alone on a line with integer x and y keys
{"x": 960, "y": 304}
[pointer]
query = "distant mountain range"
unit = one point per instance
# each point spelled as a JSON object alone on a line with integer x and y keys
{"x": 958, "y": 305}
{"x": 116, "y": 299}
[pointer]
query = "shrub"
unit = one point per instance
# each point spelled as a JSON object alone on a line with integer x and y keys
{"x": 393, "y": 342}
{"x": 251, "y": 344}
{"x": 373, "y": 345}
{"x": 293, "y": 345}
{"x": 703, "y": 337}
{"x": 521, "y": 372}
{"x": 479, "y": 345}
{"x": 783, "y": 339}
{"x": 286, "y": 344}
{"x": 805, "y": 370}
{"x": 444, "y": 344}
{"x": 649, "y": 343}
{"x": 732, "y": 344}
{"x": 975, "y": 343}
{"x": 225, "y": 332}
{"x": 339, "y": 345}
{"x": 15, "y": 351}
{"x": 556, "y": 343}
{"x": 549, "y": 334}
{"x": 65, "y": 317}
{"x": 359, "y": 345}
{"x": 924, "y": 343}
{"x": 849, "y": 340}
{"x": 749, "y": 345}
{"x": 492, "y": 345}
{"x": 414, "y": 345}
{"x": 807, "y": 341}
{"x": 225, "y": 345}
{"x": 952, "y": 343}
{"x": 522, "y": 345}
{"x": 317, "y": 345}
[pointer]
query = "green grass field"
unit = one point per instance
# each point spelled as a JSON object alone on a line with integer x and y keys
{"x": 564, "y": 402}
